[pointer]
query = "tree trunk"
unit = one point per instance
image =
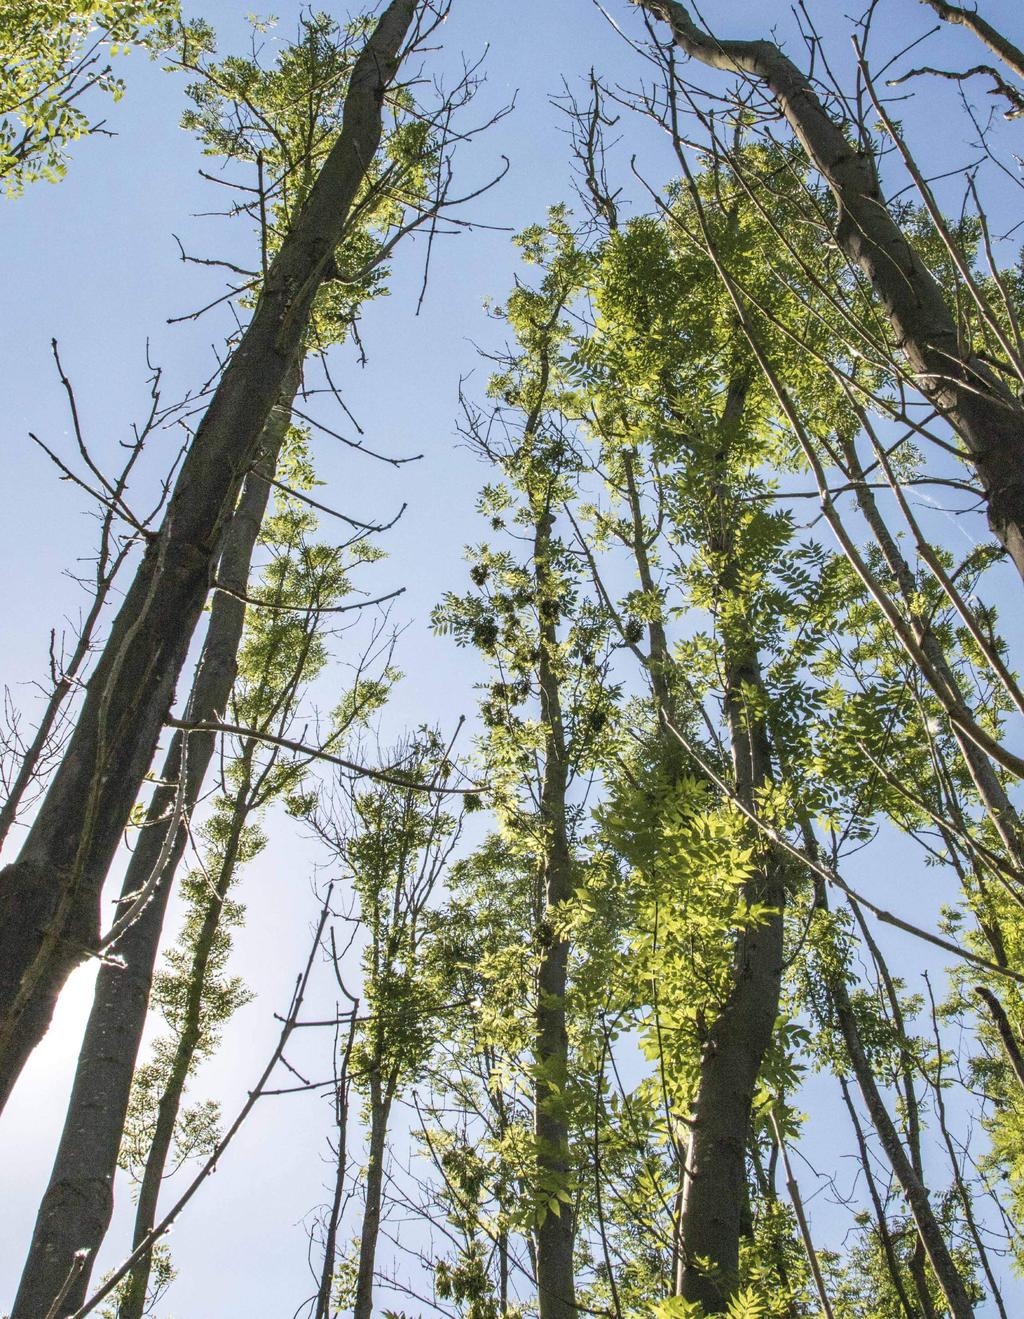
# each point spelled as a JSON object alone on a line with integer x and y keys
{"x": 49, "y": 896}
{"x": 1010, "y": 54}
{"x": 380, "y": 1108}
{"x": 75, "y": 1211}
{"x": 133, "y": 1300}
{"x": 556, "y": 1286}
{"x": 715, "y": 1191}
{"x": 993, "y": 795}
{"x": 982, "y": 411}
{"x": 929, "y": 1231}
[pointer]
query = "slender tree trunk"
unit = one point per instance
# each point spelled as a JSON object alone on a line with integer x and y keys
{"x": 380, "y": 1111}
{"x": 962, "y": 388}
{"x": 714, "y": 1207}
{"x": 881, "y": 1223}
{"x": 133, "y": 1301}
{"x": 49, "y": 896}
{"x": 556, "y": 1285}
{"x": 341, "y": 1097}
{"x": 75, "y": 1211}
{"x": 929, "y": 1230}
{"x": 1010, "y": 1042}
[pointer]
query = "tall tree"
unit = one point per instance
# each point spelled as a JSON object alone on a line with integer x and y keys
{"x": 49, "y": 896}
{"x": 966, "y": 390}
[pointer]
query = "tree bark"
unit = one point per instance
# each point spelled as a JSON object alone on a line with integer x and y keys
{"x": 76, "y": 1208}
{"x": 963, "y": 389}
{"x": 714, "y": 1203}
{"x": 380, "y": 1108}
{"x": 49, "y": 896}
{"x": 715, "y": 1191}
{"x": 993, "y": 795}
{"x": 556, "y": 1285}
{"x": 133, "y": 1300}
{"x": 929, "y": 1231}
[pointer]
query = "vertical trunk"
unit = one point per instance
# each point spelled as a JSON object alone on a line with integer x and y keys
{"x": 380, "y": 1109}
{"x": 133, "y": 1301}
{"x": 75, "y": 1211}
{"x": 341, "y": 1095}
{"x": 49, "y": 896}
{"x": 715, "y": 1191}
{"x": 714, "y": 1209}
{"x": 963, "y": 389}
{"x": 555, "y": 1236}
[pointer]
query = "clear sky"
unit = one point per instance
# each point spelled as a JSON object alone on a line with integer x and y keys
{"x": 93, "y": 263}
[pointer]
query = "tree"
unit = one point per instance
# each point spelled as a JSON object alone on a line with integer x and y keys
{"x": 49, "y": 894}
{"x": 962, "y": 386}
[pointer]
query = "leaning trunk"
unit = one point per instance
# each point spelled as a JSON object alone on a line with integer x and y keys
{"x": 962, "y": 388}
{"x": 133, "y": 1301}
{"x": 930, "y": 1234}
{"x": 76, "y": 1208}
{"x": 49, "y": 896}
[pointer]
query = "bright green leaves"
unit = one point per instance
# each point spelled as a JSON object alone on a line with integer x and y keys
{"x": 282, "y": 121}
{"x": 56, "y": 60}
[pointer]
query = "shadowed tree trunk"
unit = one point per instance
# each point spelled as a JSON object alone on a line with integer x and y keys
{"x": 555, "y": 1236}
{"x": 76, "y": 1208}
{"x": 929, "y": 1231}
{"x": 714, "y": 1211}
{"x": 963, "y": 389}
{"x": 190, "y": 1033}
{"x": 715, "y": 1201}
{"x": 49, "y": 896}
{"x": 381, "y": 1098}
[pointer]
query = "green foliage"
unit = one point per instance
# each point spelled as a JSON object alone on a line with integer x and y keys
{"x": 51, "y": 55}
{"x": 282, "y": 121}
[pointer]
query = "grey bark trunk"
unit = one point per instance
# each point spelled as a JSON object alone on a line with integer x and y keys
{"x": 76, "y": 1208}
{"x": 1010, "y": 54}
{"x": 990, "y": 789}
{"x": 49, "y": 896}
{"x": 133, "y": 1302}
{"x": 929, "y": 1231}
{"x": 556, "y": 1285}
{"x": 380, "y": 1107}
{"x": 963, "y": 389}
{"x": 714, "y": 1209}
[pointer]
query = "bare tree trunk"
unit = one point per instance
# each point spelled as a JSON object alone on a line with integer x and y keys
{"x": 962, "y": 388}
{"x": 133, "y": 1300}
{"x": 76, "y": 1207}
{"x": 881, "y": 1223}
{"x": 49, "y": 896}
{"x": 380, "y": 1109}
{"x": 556, "y": 1285}
{"x": 714, "y": 1206}
{"x": 993, "y": 795}
{"x": 929, "y": 1231}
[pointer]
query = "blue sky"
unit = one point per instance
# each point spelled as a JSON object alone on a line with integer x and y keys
{"x": 93, "y": 263}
